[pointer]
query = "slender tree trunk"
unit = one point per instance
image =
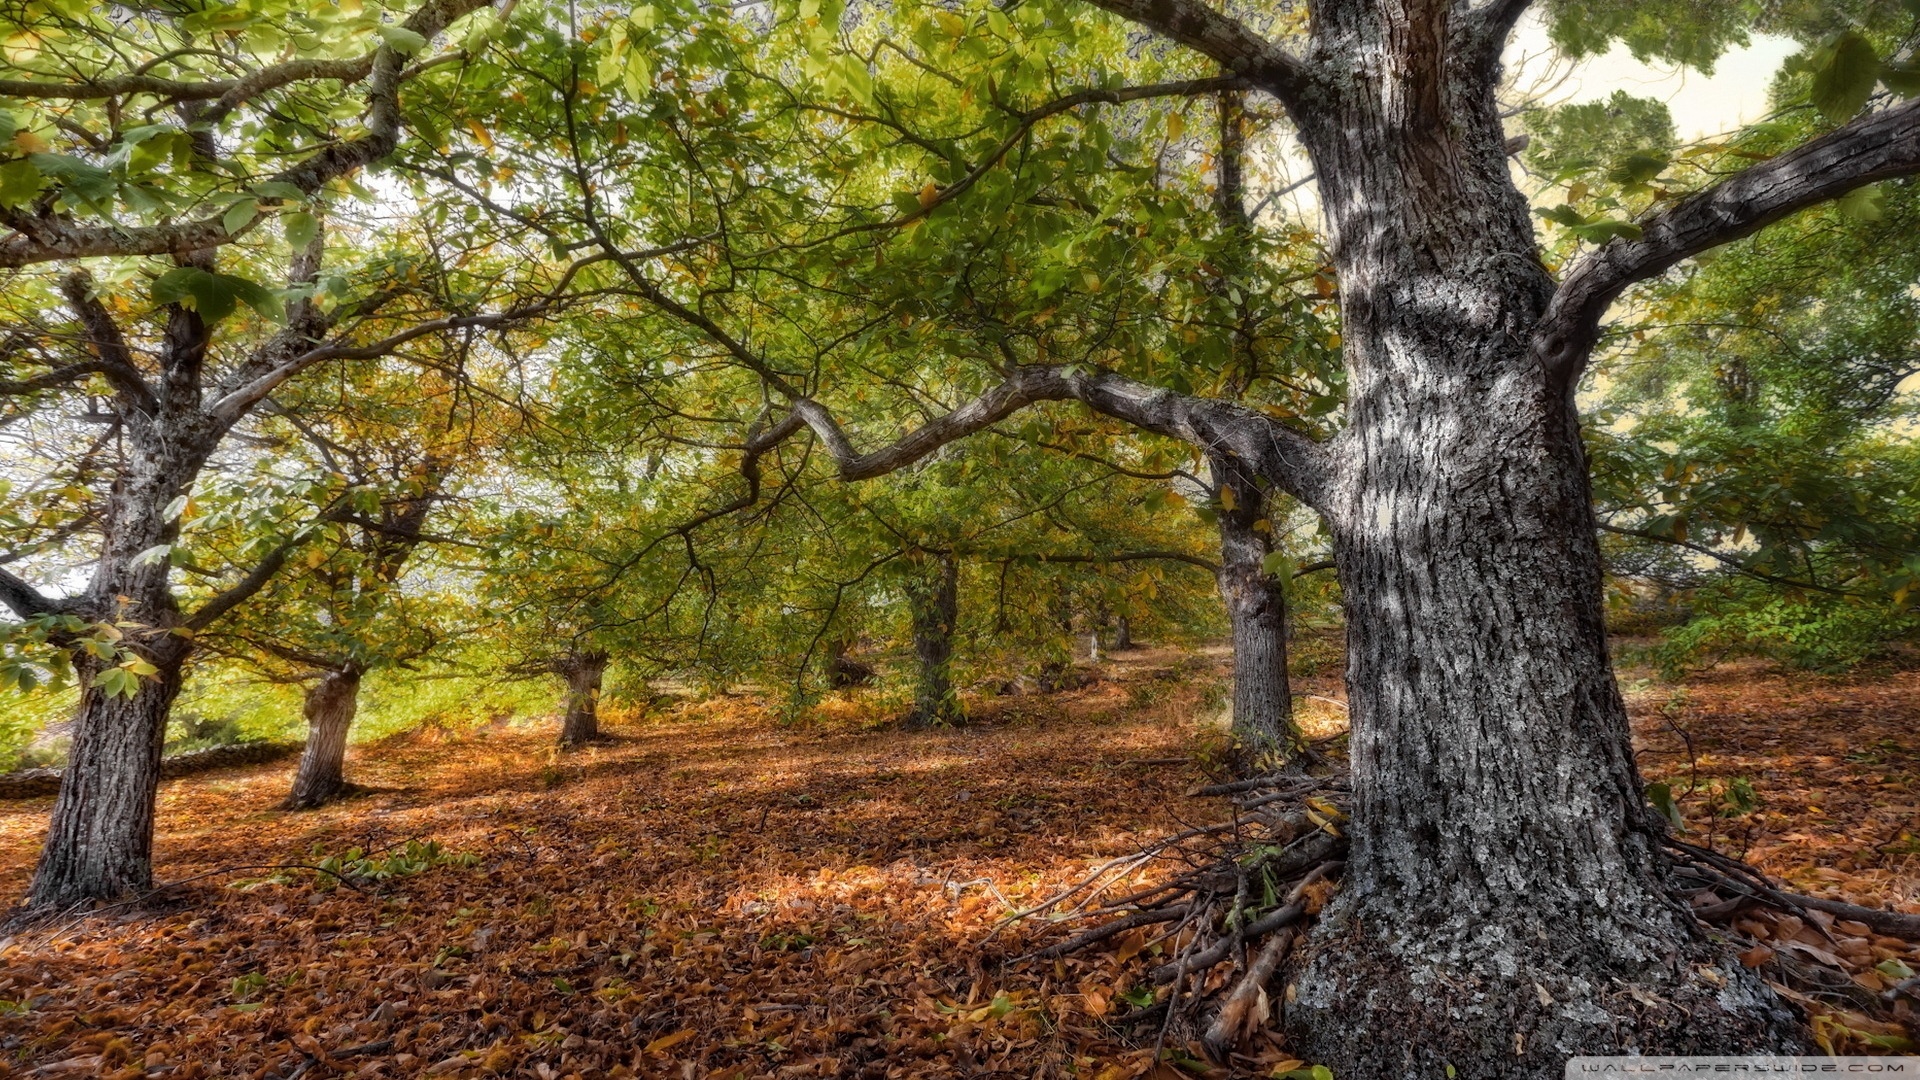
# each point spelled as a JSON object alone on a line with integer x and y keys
{"x": 935, "y": 603}
{"x": 583, "y": 672}
{"x": 330, "y": 707}
{"x": 1122, "y": 633}
{"x": 1505, "y": 904}
{"x": 1263, "y": 728}
{"x": 1056, "y": 674}
{"x": 100, "y": 842}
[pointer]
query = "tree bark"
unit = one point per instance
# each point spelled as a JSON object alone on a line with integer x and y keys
{"x": 330, "y": 707}
{"x": 1122, "y": 634}
{"x": 1263, "y": 729}
{"x": 934, "y": 600}
{"x": 100, "y": 842}
{"x": 583, "y": 672}
{"x": 1505, "y": 905}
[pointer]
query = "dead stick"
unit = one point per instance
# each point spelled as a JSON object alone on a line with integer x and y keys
{"x": 1246, "y": 1006}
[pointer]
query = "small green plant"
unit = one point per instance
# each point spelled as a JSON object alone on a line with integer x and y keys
{"x": 247, "y": 987}
{"x": 1732, "y": 798}
{"x": 356, "y": 866}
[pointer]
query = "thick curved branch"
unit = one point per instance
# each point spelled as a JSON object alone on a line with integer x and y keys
{"x": 1234, "y": 45}
{"x": 1288, "y": 459}
{"x": 1879, "y": 146}
{"x": 1486, "y": 29}
{"x": 25, "y": 600}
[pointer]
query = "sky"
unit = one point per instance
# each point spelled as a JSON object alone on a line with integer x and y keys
{"x": 1702, "y": 105}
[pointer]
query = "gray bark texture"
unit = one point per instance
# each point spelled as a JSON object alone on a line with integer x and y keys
{"x": 331, "y": 703}
{"x": 1505, "y": 905}
{"x": 1263, "y": 730}
{"x": 100, "y": 841}
{"x": 934, "y": 600}
{"x": 584, "y": 673}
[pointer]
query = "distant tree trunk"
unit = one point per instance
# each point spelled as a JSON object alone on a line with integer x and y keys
{"x": 1122, "y": 634}
{"x": 330, "y": 707}
{"x": 1057, "y": 674}
{"x": 935, "y": 602}
{"x": 100, "y": 841}
{"x": 583, "y": 672}
{"x": 1256, "y": 603}
{"x": 843, "y": 671}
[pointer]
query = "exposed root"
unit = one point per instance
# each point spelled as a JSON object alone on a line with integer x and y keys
{"x": 1220, "y": 906}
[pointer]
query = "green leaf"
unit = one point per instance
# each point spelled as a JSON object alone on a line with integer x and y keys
{"x": 214, "y": 296}
{"x": 239, "y": 216}
{"x": 90, "y": 184}
{"x": 1276, "y": 564}
{"x": 1564, "y": 215}
{"x": 301, "y": 228}
{"x": 1638, "y": 168}
{"x": 278, "y": 189}
{"x": 1661, "y": 796}
{"x": 1902, "y": 79}
{"x": 20, "y": 183}
{"x": 1605, "y": 229}
{"x": 1844, "y": 71}
{"x": 1864, "y": 203}
{"x": 401, "y": 40}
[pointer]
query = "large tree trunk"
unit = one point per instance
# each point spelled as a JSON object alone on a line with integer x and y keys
{"x": 583, "y": 672}
{"x": 330, "y": 707}
{"x": 100, "y": 842}
{"x": 1505, "y": 905}
{"x": 1263, "y": 730}
{"x": 934, "y": 599}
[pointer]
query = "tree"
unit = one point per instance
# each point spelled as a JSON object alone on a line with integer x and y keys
{"x": 400, "y": 440}
{"x": 1506, "y": 903}
{"x": 234, "y": 136}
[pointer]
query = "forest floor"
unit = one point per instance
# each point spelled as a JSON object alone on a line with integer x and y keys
{"x": 714, "y": 895}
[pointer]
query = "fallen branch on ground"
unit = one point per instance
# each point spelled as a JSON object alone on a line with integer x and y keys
{"x": 1220, "y": 906}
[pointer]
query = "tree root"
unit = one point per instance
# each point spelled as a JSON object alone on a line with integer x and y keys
{"x": 1219, "y": 907}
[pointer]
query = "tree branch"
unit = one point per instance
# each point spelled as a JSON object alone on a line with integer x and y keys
{"x": 1724, "y": 559}
{"x": 1487, "y": 27}
{"x": 1879, "y": 146}
{"x": 113, "y": 358}
{"x": 1224, "y": 39}
{"x": 1208, "y": 565}
{"x": 1287, "y": 458}
{"x": 25, "y": 600}
{"x": 230, "y": 92}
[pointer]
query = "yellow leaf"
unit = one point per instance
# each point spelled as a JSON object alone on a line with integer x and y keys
{"x": 668, "y": 1042}
{"x": 1176, "y": 125}
{"x": 30, "y": 143}
{"x": 928, "y": 193}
